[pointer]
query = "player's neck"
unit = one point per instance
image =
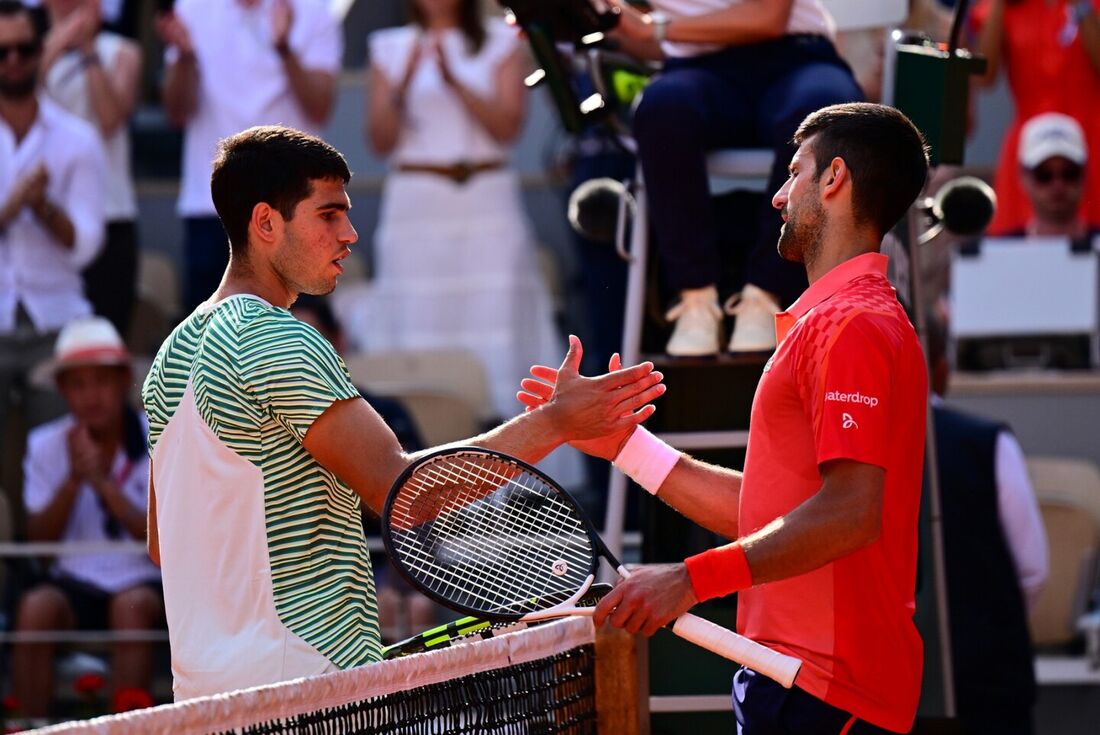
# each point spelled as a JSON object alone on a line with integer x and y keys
{"x": 841, "y": 245}
{"x": 242, "y": 278}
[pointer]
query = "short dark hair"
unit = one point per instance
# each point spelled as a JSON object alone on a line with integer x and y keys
{"x": 884, "y": 151}
{"x": 470, "y": 22}
{"x": 36, "y": 15}
{"x": 271, "y": 164}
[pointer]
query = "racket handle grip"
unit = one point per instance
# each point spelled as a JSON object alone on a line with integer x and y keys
{"x": 772, "y": 664}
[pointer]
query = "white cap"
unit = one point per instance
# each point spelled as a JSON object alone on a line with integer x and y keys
{"x": 1052, "y": 134}
{"x": 84, "y": 341}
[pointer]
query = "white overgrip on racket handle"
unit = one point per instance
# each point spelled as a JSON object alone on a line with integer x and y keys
{"x": 713, "y": 637}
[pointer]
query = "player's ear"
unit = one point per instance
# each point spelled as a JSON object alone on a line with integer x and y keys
{"x": 265, "y": 224}
{"x": 835, "y": 176}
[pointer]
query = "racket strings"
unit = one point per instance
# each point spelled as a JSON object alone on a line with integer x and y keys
{"x": 487, "y": 535}
{"x": 483, "y": 532}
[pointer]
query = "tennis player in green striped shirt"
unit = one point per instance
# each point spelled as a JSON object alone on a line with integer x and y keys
{"x": 262, "y": 449}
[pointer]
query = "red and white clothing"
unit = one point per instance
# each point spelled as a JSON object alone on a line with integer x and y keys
{"x": 847, "y": 381}
{"x": 1048, "y": 70}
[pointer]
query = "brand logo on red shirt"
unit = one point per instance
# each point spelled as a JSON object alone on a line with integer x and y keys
{"x": 848, "y": 421}
{"x": 855, "y": 397}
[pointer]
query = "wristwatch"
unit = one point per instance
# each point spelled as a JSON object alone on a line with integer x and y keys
{"x": 660, "y": 22}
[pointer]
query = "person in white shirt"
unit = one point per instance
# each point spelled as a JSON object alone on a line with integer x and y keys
{"x": 233, "y": 64}
{"x": 94, "y": 75}
{"x": 737, "y": 73}
{"x": 51, "y": 216}
{"x": 86, "y": 480}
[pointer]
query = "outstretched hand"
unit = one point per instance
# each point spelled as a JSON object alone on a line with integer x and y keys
{"x": 625, "y": 394}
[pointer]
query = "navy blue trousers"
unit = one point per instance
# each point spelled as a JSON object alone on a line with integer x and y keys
{"x": 749, "y": 96}
{"x": 764, "y": 707}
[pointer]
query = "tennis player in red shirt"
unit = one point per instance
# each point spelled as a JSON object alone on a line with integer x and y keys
{"x": 824, "y": 516}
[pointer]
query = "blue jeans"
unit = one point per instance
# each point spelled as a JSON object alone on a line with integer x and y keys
{"x": 753, "y": 96}
{"x": 764, "y": 707}
{"x": 205, "y": 255}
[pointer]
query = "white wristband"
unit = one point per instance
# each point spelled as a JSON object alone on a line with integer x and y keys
{"x": 646, "y": 460}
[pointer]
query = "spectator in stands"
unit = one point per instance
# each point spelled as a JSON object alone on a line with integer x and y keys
{"x": 94, "y": 75}
{"x": 456, "y": 263}
{"x": 51, "y": 216}
{"x": 1053, "y": 159}
{"x": 87, "y": 476}
{"x": 402, "y": 611}
{"x": 232, "y": 64}
{"x": 1051, "y": 55}
{"x": 997, "y": 560}
{"x": 736, "y": 74}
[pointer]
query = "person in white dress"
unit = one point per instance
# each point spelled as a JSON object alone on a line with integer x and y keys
{"x": 455, "y": 259}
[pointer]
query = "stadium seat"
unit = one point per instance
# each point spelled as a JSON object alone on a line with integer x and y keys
{"x": 1068, "y": 490}
{"x": 446, "y": 390}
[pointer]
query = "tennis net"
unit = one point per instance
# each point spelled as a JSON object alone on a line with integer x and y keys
{"x": 539, "y": 681}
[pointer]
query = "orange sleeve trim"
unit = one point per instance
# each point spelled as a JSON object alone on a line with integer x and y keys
{"x": 719, "y": 572}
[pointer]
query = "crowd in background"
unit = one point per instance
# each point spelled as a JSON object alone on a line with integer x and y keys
{"x": 454, "y": 256}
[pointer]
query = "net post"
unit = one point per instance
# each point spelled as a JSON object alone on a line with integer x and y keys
{"x": 622, "y": 682}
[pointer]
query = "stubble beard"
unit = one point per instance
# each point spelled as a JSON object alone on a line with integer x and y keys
{"x": 800, "y": 236}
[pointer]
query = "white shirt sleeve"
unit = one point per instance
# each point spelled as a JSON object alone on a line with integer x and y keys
{"x": 83, "y": 201}
{"x": 45, "y": 466}
{"x": 1020, "y": 518}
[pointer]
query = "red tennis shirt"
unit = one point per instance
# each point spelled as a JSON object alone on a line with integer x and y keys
{"x": 848, "y": 381}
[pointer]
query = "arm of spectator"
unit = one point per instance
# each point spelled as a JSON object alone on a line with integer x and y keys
{"x": 47, "y": 495}
{"x": 113, "y": 92}
{"x": 48, "y": 214}
{"x": 1021, "y": 521}
{"x": 502, "y": 114}
{"x": 152, "y": 538}
{"x": 181, "y": 77}
{"x": 749, "y": 21}
{"x": 76, "y": 219}
{"x": 386, "y": 103}
{"x": 68, "y": 33}
{"x": 1090, "y": 32}
{"x": 385, "y": 109}
{"x": 314, "y": 88}
{"x": 29, "y": 187}
{"x": 990, "y": 17}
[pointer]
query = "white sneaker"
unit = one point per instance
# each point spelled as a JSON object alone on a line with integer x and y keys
{"x": 754, "y": 327}
{"x": 698, "y": 323}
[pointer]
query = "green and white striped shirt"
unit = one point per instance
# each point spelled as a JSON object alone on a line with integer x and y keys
{"x": 265, "y": 567}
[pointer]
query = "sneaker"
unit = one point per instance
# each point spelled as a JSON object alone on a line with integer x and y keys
{"x": 698, "y": 323}
{"x": 754, "y": 327}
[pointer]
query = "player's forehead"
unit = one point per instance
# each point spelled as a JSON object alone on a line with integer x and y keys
{"x": 804, "y": 156}
{"x": 327, "y": 192}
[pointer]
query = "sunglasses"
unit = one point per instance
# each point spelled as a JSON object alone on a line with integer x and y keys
{"x": 1068, "y": 174}
{"x": 24, "y": 50}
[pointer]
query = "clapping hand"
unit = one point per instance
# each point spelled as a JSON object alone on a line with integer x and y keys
{"x": 173, "y": 32}
{"x": 86, "y": 461}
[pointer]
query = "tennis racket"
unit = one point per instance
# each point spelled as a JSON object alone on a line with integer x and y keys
{"x": 474, "y": 628}
{"x": 488, "y": 535}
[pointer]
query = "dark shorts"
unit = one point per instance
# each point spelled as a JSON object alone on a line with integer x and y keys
{"x": 764, "y": 707}
{"x": 91, "y": 606}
